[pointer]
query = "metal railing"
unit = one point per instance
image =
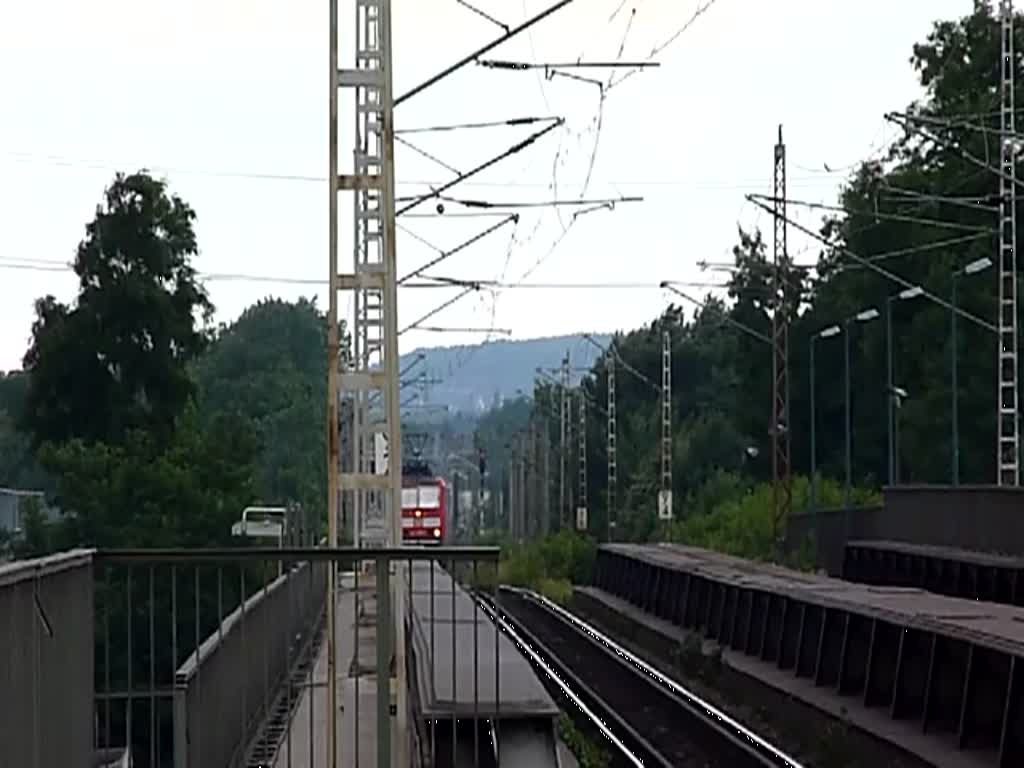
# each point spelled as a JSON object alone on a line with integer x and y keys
{"x": 243, "y": 626}
{"x": 209, "y": 658}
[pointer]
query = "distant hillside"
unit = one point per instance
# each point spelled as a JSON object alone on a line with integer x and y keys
{"x": 471, "y": 378}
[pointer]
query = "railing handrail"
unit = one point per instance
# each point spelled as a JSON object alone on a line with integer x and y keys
{"x": 312, "y": 554}
{"x": 21, "y": 570}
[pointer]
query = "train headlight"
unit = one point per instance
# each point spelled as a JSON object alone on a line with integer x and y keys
{"x": 437, "y": 533}
{"x": 418, "y": 513}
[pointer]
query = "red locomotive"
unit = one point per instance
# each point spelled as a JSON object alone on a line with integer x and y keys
{"x": 424, "y": 505}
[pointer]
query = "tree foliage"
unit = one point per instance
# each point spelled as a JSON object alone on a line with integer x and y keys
{"x": 139, "y": 493}
{"x": 115, "y": 360}
{"x": 107, "y": 396}
{"x": 269, "y": 368}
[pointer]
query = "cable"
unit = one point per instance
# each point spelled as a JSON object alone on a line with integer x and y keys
{"x": 892, "y": 276}
{"x": 698, "y": 184}
{"x": 508, "y": 123}
{"x": 756, "y": 198}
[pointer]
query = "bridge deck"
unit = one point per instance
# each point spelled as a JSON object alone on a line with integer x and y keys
{"x": 947, "y": 667}
{"x": 985, "y": 576}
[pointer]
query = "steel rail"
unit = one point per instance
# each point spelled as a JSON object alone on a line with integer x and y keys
{"x": 730, "y": 728}
{"x": 526, "y": 647}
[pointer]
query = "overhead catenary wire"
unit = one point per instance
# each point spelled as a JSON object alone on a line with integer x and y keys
{"x": 906, "y": 122}
{"x": 442, "y": 255}
{"x": 434, "y": 79}
{"x": 510, "y": 122}
{"x": 880, "y": 215}
{"x": 613, "y": 350}
{"x": 892, "y": 276}
{"x": 309, "y": 178}
{"x": 488, "y": 204}
{"x": 516, "y": 148}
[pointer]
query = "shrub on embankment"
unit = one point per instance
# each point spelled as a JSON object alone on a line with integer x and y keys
{"x": 740, "y": 523}
{"x": 550, "y": 566}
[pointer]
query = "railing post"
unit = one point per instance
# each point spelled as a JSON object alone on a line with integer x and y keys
{"x": 180, "y": 727}
{"x": 383, "y": 662}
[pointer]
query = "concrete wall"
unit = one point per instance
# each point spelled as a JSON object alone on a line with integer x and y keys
{"x": 46, "y": 662}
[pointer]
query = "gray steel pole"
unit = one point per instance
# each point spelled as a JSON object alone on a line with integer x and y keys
{"x": 896, "y": 447}
{"x": 814, "y": 436}
{"x": 955, "y": 404}
{"x": 849, "y": 444}
{"x": 889, "y": 390}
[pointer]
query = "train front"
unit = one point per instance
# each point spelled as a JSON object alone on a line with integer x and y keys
{"x": 423, "y": 508}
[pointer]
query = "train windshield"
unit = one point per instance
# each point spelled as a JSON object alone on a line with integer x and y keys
{"x": 409, "y": 498}
{"x": 430, "y": 496}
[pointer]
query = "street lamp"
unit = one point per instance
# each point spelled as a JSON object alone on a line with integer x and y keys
{"x": 907, "y": 293}
{"x": 825, "y": 333}
{"x": 898, "y": 396}
{"x": 972, "y": 268}
{"x": 863, "y": 316}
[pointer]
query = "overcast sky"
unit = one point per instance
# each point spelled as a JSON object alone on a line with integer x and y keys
{"x": 228, "y": 100}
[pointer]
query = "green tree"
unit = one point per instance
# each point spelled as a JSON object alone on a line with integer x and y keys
{"x": 270, "y": 368}
{"x": 18, "y": 465}
{"x": 141, "y": 493}
{"x": 116, "y": 359}
{"x": 936, "y": 210}
{"x": 36, "y": 534}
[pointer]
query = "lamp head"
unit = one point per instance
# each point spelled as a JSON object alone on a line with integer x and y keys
{"x": 978, "y": 265}
{"x": 910, "y": 293}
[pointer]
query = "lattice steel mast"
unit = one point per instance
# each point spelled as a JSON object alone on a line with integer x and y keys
{"x": 581, "y": 501}
{"x": 612, "y": 446}
{"x": 563, "y": 446}
{"x": 374, "y": 366}
{"x": 1008, "y": 446}
{"x": 665, "y": 493}
{"x": 782, "y": 481}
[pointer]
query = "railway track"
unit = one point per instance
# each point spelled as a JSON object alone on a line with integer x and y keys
{"x": 648, "y": 719}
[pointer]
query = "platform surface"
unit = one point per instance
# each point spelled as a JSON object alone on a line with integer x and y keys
{"x": 994, "y": 625}
{"x": 306, "y": 744}
{"x": 463, "y": 666}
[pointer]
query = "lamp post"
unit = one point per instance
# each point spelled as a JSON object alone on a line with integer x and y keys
{"x": 907, "y": 293}
{"x": 863, "y": 316}
{"x": 972, "y": 268}
{"x": 898, "y": 396}
{"x": 825, "y": 333}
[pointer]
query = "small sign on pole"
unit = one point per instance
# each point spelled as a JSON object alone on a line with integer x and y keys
{"x": 664, "y": 505}
{"x": 581, "y": 518}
